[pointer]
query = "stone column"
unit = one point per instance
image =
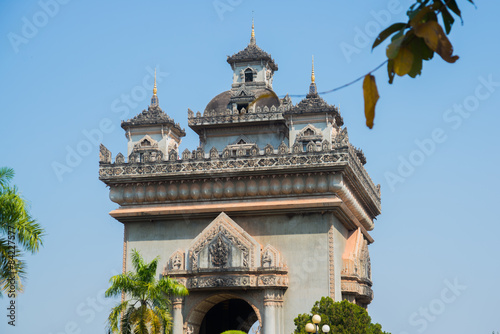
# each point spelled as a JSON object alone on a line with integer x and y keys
{"x": 178, "y": 320}
{"x": 273, "y": 301}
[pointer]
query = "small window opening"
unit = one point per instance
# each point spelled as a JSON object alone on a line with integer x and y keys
{"x": 248, "y": 75}
{"x": 241, "y": 106}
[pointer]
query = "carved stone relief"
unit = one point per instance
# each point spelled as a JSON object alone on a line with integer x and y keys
{"x": 119, "y": 159}
{"x": 224, "y": 244}
{"x": 176, "y": 261}
{"x": 219, "y": 252}
{"x": 104, "y": 155}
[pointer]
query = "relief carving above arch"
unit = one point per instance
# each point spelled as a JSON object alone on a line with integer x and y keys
{"x": 223, "y": 235}
{"x": 224, "y": 256}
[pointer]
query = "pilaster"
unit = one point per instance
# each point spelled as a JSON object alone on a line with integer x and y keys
{"x": 178, "y": 320}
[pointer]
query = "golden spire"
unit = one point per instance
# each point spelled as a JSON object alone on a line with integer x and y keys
{"x": 154, "y": 88}
{"x": 154, "y": 98}
{"x": 312, "y": 87}
{"x": 252, "y": 38}
{"x": 312, "y": 73}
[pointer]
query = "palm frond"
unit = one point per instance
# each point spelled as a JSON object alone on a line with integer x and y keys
{"x": 6, "y": 175}
{"x": 149, "y": 314}
{"x": 115, "y": 315}
{"x": 121, "y": 283}
{"x": 12, "y": 268}
{"x": 126, "y": 324}
{"x": 172, "y": 287}
{"x": 14, "y": 217}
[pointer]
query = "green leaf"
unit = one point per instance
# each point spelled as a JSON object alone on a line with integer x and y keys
{"x": 416, "y": 68}
{"x": 390, "y": 70}
{"x": 447, "y": 19}
{"x": 420, "y": 49}
{"x": 414, "y": 9}
{"x": 452, "y": 5}
{"x": 387, "y": 32}
{"x": 421, "y": 15}
{"x": 393, "y": 48}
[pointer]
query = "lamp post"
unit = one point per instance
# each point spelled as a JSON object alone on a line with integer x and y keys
{"x": 314, "y": 327}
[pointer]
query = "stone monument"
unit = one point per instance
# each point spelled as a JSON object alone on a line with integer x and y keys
{"x": 271, "y": 212}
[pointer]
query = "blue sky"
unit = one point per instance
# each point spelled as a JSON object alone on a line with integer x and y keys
{"x": 68, "y": 70}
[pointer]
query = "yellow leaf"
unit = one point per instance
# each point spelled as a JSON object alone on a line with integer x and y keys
{"x": 403, "y": 61}
{"x": 370, "y": 93}
{"x": 436, "y": 40}
{"x": 263, "y": 96}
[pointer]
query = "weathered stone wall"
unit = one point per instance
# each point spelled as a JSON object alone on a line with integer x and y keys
{"x": 305, "y": 242}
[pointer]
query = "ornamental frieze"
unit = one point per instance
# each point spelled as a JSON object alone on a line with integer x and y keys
{"x": 223, "y": 188}
{"x": 255, "y": 281}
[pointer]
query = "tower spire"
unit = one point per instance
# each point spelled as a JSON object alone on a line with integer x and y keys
{"x": 154, "y": 98}
{"x": 312, "y": 73}
{"x": 252, "y": 38}
{"x": 312, "y": 87}
{"x": 154, "y": 88}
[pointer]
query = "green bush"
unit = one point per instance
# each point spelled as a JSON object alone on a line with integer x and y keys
{"x": 342, "y": 317}
{"x": 233, "y": 332}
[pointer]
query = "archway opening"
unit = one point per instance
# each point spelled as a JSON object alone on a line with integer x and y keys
{"x": 230, "y": 314}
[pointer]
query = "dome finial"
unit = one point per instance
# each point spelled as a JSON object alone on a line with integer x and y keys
{"x": 312, "y": 73}
{"x": 154, "y": 98}
{"x": 312, "y": 87}
{"x": 252, "y": 38}
{"x": 154, "y": 88}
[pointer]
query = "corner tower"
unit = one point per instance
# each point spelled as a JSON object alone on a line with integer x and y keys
{"x": 152, "y": 134}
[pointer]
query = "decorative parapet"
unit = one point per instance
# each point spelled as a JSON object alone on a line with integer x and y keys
{"x": 361, "y": 155}
{"x": 230, "y": 116}
{"x": 104, "y": 154}
{"x": 199, "y": 164}
{"x": 218, "y": 165}
{"x": 356, "y": 165}
{"x": 211, "y": 177}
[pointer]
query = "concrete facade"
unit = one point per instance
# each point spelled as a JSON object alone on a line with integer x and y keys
{"x": 274, "y": 207}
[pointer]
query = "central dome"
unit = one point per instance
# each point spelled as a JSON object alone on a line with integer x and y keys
{"x": 264, "y": 97}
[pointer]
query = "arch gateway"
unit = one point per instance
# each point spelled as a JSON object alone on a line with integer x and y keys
{"x": 270, "y": 213}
